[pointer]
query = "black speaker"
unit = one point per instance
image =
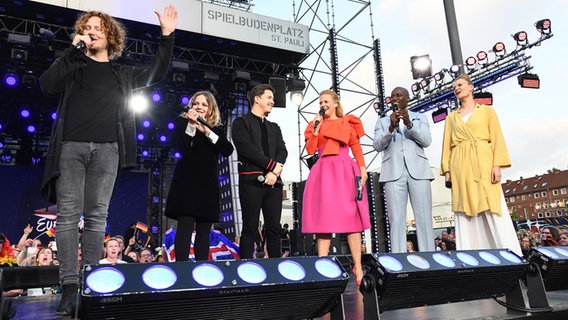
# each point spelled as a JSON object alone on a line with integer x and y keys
{"x": 279, "y": 85}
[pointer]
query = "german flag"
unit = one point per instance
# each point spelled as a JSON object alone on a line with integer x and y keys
{"x": 107, "y": 238}
{"x": 50, "y": 232}
{"x": 141, "y": 226}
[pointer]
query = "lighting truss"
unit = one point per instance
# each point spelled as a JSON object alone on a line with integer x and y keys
{"x": 510, "y": 65}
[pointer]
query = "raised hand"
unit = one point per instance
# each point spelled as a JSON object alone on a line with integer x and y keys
{"x": 168, "y": 20}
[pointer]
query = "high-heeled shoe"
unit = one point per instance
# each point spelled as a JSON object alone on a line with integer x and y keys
{"x": 357, "y": 281}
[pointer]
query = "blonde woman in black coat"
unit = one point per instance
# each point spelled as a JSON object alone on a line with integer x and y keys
{"x": 193, "y": 199}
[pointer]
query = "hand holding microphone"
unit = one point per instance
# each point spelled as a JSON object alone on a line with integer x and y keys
{"x": 317, "y": 122}
{"x": 262, "y": 180}
{"x": 81, "y": 42}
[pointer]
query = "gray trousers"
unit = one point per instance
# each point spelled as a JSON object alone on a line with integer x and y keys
{"x": 84, "y": 187}
{"x": 397, "y": 193}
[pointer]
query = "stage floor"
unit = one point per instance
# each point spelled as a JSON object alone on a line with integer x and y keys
{"x": 43, "y": 308}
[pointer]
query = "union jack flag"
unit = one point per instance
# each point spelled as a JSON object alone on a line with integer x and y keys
{"x": 220, "y": 247}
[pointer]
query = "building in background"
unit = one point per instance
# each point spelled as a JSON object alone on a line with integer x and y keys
{"x": 539, "y": 197}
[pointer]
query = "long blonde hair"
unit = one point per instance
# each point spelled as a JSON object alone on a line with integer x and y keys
{"x": 335, "y": 97}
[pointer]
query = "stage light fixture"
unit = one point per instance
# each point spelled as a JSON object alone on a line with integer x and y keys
{"x": 19, "y": 54}
{"x": 499, "y": 49}
{"x": 439, "y": 76}
{"x": 485, "y": 98}
{"x": 291, "y": 288}
{"x": 24, "y": 113}
{"x": 424, "y": 83}
{"x": 455, "y": 70}
{"x": 415, "y": 87}
{"x": 31, "y": 128}
{"x": 6, "y": 156}
{"x": 11, "y": 80}
{"x": 543, "y": 26}
{"x": 553, "y": 264}
{"x": 146, "y": 123}
{"x": 139, "y": 103}
{"x": 171, "y": 125}
{"x": 521, "y": 38}
{"x": 54, "y": 115}
{"x": 178, "y": 78}
{"x": 439, "y": 115}
{"x": 471, "y": 64}
{"x": 421, "y": 66}
{"x": 529, "y": 80}
{"x": 184, "y": 100}
{"x": 482, "y": 58}
{"x": 405, "y": 280}
{"x": 156, "y": 97}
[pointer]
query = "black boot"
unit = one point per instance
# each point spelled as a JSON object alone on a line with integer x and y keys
{"x": 67, "y": 304}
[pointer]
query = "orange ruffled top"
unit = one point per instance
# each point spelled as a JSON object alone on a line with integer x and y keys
{"x": 334, "y": 133}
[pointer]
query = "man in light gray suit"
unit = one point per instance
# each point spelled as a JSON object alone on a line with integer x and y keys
{"x": 405, "y": 171}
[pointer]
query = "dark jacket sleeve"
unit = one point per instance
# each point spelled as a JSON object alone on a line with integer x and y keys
{"x": 281, "y": 151}
{"x": 223, "y": 146}
{"x": 158, "y": 70}
{"x": 54, "y": 80}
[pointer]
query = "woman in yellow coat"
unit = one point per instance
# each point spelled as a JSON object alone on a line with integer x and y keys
{"x": 473, "y": 154}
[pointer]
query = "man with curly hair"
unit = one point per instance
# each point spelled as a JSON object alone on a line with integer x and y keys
{"x": 94, "y": 133}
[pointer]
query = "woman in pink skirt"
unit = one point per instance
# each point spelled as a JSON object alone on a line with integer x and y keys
{"x": 331, "y": 203}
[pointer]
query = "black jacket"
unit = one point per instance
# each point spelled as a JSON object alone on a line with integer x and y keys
{"x": 247, "y": 137}
{"x": 66, "y": 72}
{"x": 194, "y": 190}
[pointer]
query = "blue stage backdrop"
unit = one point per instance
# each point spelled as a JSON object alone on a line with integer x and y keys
{"x": 21, "y": 203}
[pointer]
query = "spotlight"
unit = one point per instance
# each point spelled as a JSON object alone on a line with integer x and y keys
{"x": 178, "y": 78}
{"x": 297, "y": 97}
{"x": 184, "y": 100}
{"x": 424, "y": 84}
{"x": 499, "y": 49}
{"x": 54, "y": 115}
{"x": 163, "y": 138}
{"x": 439, "y": 76}
{"x": 543, "y": 26}
{"x": 19, "y": 54}
{"x": 25, "y": 113}
{"x": 171, "y": 125}
{"x": 145, "y": 153}
{"x": 177, "y": 155}
{"x": 31, "y": 129}
{"x": 10, "y": 80}
{"x": 139, "y": 103}
{"x": 146, "y": 123}
{"x": 421, "y": 66}
{"x": 291, "y": 288}
{"x": 553, "y": 264}
{"x": 485, "y": 98}
{"x": 415, "y": 88}
{"x": 529, "y": 80}
{"x": 140, "y": 136}
{"x": 455, "y": 70}
{"x": 402, "y": 280}
{"x": 6, "y": 156}
{"x": 521, "y": 38}
{"x": 46, "y": 34}
{"x": 482, "y": 58}
{"x": 470, "y": 63}
{"x": 156, "y": 97}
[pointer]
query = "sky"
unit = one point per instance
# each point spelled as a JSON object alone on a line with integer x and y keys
{"x": 533, "y": 121}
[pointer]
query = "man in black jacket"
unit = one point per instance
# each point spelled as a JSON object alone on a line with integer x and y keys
{"x": 262, "y": 154}
{"x": 94, "y": 133}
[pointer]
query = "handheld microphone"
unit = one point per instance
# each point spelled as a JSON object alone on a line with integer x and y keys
{"x": 321, "y": 113}
{"x": 82, "y": 45}
{"x": 203, "y": 122}
{"x": 261, "y": 180}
